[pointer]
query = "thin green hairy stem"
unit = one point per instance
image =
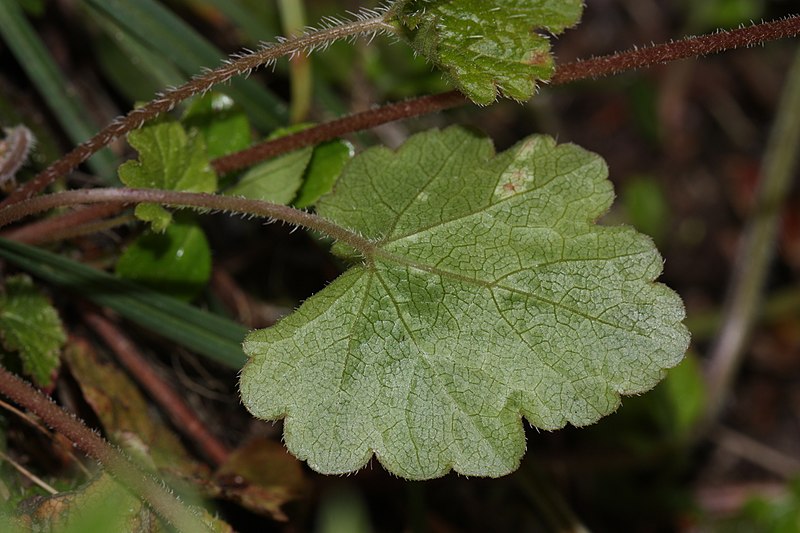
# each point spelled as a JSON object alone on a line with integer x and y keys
{"x": 214, "y": 202}
{"x": 366, "y": 22}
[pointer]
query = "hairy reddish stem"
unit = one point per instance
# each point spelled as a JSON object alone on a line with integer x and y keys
{"x": 114, "y": 461}
{"x": 597, "y": 67}
{"x": 216, "y": 202}
{"x": 579, "y": 70}
{"x": 176, "y": 408}
{"x": 699, "y": 46}
{"x": 197, "y": 85}
{"x": 336, "y": 128}
{"x": 53, "y": 228}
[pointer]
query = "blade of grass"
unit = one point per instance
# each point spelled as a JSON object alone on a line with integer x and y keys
{"x": 293, "y": 16}
{"x": 756, "y": 248}
{"x": 253, "y": 25}
{"x": 209, "y": 335}
{"x": 40, "y": 67}
{"x": 168, "y": 35}
{"x": 151, "y": 70}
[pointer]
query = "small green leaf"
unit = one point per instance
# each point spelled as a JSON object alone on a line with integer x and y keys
{"x": 158, "y": 217}
{"x": 100, "y": 505}
{"x": 685, "y": 392}
{"x": 486, "y": 48}
{"x": 104, "y": 505}
{"x": 210, "y": 335}
{"x": 224, "y": 124}
{"x": 176, "y": 262}
{"x": 169, "y": 159}
{"x": 645, "y": 203}
{"x": 276, "y": 180}
{"x": 30, "y": 325}
{"x": 323, "y": 170}
{"x": 487, "y": 295}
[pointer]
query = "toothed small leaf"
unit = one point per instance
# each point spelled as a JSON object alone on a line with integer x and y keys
{"x": 169, "y": 159}
{"x": 488, "y": 48}
{"x": 490, "y": 295}
{"x": 30, "y": 326}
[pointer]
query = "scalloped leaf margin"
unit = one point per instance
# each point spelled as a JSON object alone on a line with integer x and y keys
{"x": 490, "y": 295}
{"x": 487, "y": 48}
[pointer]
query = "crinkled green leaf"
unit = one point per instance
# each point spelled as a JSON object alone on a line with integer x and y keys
{"x": 489, "y": 295}
{"x": 30, "y": 325}
{"x": 176, "y": 262}
{"x": 169, "y": 159}
{"x": 488, "y": 47}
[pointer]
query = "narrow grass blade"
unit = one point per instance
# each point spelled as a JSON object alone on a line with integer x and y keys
{"x": 137, "y": 71}
{"x": 150, "y": 22}
{"x": 293, "y": 15}
{"x": 40, "y": 67}
{"x": 254, "y": 23}
{"x": 209, "y": 335}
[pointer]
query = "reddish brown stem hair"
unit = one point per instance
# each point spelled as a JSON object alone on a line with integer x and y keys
{"x": 597, "y": 67}
{"x": 590, "y": 68}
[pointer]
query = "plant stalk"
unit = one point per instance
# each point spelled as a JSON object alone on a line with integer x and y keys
{"x": 590, "y": 68}
{"x": 142, "y": 484}
{"x": 182, "y": 416}
{"x": 757, "y": 247}
{"x": 243, "y": 64}
{"x": 215, "y": 202}
{"x": 598, "y": 67}
{"x": 293, "y": 18}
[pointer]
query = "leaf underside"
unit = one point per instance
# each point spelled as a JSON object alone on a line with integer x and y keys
{"x": 490, "y": 295}
{"x": 488, "y": 48}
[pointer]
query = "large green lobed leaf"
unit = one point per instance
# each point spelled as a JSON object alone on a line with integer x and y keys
{"x": 490, "y": 294}
{"x": 488, "y": 47}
